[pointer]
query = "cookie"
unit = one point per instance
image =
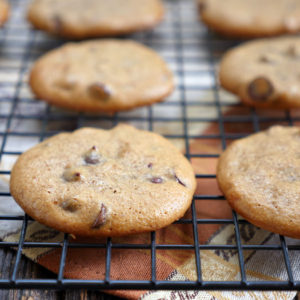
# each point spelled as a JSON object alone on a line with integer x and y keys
{"x": 4, "y": 11}
{"x": 264, "y": 73}
{"x": 80, "y": 19}
{"x": 95, "y": 182}
{"x": 101, "y": 75}
{"x": 251, "y": 18}
{"x": 260, "y": 177}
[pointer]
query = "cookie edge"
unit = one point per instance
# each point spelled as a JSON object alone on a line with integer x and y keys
{"x": 233, "y": 198}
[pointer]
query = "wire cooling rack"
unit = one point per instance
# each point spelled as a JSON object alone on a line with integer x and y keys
{"x": 192, "y": 52}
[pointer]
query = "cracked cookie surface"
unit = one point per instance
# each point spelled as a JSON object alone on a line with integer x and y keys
{"x": 101, "y": 75}
{"x": 260, "y": 177}
{"x": 80, "y": 19}
{"x": 251, "y": 18}
{"x": 95, "y": 182}
{"x": 264, "y": 73}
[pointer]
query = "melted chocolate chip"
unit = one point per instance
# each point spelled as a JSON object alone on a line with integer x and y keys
{"x": 70, "y": 205}
{"x": 101, "y": 218}
{"x": 201, "y": 6}
{"x": 291, "y": 51}
{"x": 100, "y": 91}
{"x": 71, "y": 175}
{"x": 91, "y": 160}
{"x": 179, "y": 181}
{"x": 260, "y": 89}
{"x": 65, "y": 85}
{"x": 264, "y": 59}
{"x": 57, "y": 23}
{"x": 156, "y": 180}
{"x": 150, "y": 165}
{"x": 92, "y": 157}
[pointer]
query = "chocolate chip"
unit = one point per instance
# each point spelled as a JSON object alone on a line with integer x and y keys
{"x": 179, "y": 181}
{"x": 92, "y": 157}
{"x": 101, "y": 218}
{"x": 264, "y": 59}
{"x": 260, "y": 89}
{"x": 71, "y": 175}
{"x": 70, "y": 205}
{"x": 91, "y": 160}
{"x": 291, "y": 51}
{"x": 65, "y": 85}
{"x": 150, "y": 165}
{"x": 100, "y": 91}
{"x": 57, "y": 23}
{"x": 201, "y": 7}
{"x": 156, "y": 180}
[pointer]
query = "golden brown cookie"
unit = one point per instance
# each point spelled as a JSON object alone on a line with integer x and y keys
{"x": 80, "y": 19}
{"x": 264, "y": 73}
{"x": 260, "y": 177}
{"x": 251, "y": 18}
{"x": 101, "y": 75}
{"x": 4, "y": 11}
{"x": 95, "y": 182}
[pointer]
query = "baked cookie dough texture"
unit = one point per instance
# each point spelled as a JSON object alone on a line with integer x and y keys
{"x": 95, "y": 182}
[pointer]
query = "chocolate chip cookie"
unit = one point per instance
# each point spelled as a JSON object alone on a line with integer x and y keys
{"x": 260, "y": 177}
{"x": 251, "y": 18}
{"x": 95, "y": 182}
{"x": 4, "y": 11}
{"x": 80, "y": 19}
{"x": 264, "y": 73}
{"x": 101, "y": 75}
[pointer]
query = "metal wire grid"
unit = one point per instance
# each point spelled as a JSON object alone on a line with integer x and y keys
{"x": 20, "y": 46}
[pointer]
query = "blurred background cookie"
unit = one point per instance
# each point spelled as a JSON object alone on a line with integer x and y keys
{"x": 80, "y": 19}
{"x": 104, "y": 75}
{"x": 264, "y": 73}
{"x": 251, "y": 18}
